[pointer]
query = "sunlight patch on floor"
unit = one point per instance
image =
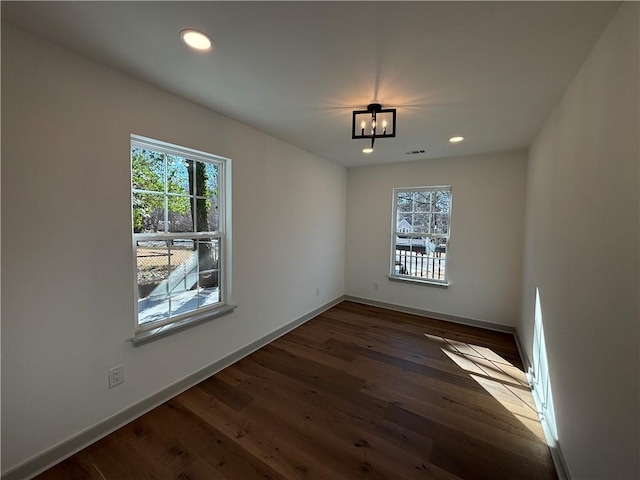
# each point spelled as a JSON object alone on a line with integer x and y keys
{"x": 506, "y": 383}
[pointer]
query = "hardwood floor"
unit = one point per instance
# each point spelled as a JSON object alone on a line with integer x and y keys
{"x": 357, "y": 392}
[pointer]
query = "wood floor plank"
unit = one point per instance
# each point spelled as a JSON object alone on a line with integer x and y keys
{"x": 320, "y": 355}
{"x": 231, "y": 376}
{"x": 465, "y": 456}
{"x": 76, "y": 467}
{"x": 488, "y": 431}
{"x": 365, "y": 413}
{"x": 340, "y": 445}
{"x": 231, "y": 396}
{"x": 499, "y": 342}
{"x": 358, "y": 392}
{"x": 432, "y": 389}
{"x": 279, "y": 452}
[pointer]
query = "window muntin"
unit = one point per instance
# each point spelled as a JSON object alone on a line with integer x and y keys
{"x": 178, "y": 231}
{"x": 420, "y": 238}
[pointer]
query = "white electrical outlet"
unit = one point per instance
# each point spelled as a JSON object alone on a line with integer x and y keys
{"x": 376, "y": 285}
{"x": 317, "y": 292}
{"x": 116, "y": 375}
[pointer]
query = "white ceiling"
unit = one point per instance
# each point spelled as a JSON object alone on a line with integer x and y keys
{"x": 490, "y": 71}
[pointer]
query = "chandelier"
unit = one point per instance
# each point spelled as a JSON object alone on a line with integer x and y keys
{"x": 374, "y": 122}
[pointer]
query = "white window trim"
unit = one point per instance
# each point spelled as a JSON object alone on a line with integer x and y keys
{"x": 154, "y": 330}
{"x": 397, "y": 277}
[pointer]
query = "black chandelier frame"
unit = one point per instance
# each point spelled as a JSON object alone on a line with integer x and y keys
{"x": 372, "y": 129}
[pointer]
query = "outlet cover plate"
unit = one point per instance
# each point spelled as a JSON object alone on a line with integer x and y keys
{"x": 116, "y": 375}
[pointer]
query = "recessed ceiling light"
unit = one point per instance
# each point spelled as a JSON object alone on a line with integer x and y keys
{"x": 196, "y": 39}
{"x": 367, "y": 150}
{"x": 456, "y": 139}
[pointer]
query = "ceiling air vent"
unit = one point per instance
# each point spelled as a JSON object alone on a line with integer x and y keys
{"x": 415, "y": 152}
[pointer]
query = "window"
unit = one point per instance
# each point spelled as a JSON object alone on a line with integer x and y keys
{"x": 178, "y": 207}
{"x": 421, "y": 226}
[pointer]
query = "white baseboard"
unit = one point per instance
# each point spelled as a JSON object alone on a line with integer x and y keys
{"x": 436, "y": 315}
{"x": 65, "y": 449}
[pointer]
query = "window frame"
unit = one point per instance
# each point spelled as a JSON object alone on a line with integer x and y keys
{"x": 152, "y": 329}
{"x": 393, "y": 274}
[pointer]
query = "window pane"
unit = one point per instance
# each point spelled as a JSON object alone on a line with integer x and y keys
{"x": 402, "y": 242}
{"x": 180, "y": 218}
{"x": 148, "y": 212}
{"x": 422, "y": 201}
{"x": 441, "y": 201}
{"x": 408, "y": 250}
{"x": 152, "y": 260}
{"x": 147, "y": 170}
{"x": 207, "y": 217}
{"x": 179, "y": 172}
{"x": 153, "y": 310}
{"x": 207, "y": 179}
{"x": 416, "y": 244}
{"x": 183, "y": 280}
{"x": 404, "y": 223}
{"x": 437, "y": 260}
{"x": 404, "y": 202}
{"x": 184, "y": 302}
{"x": 440, "y": 223}
{"x": 209, "y": 296}
{"x": 209, "y": 277}
{"x": 153, "y": 268}
{"x": 208, "y": 255}
{"x": 421, "y": 222}
{"x": 183, "y": 266}
{"x": 209, "y": 280}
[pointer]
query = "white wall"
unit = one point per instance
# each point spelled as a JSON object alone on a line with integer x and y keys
{"x": 582, "y": 253}
{"x": 486, "y": 235}
{"x": 67, "y": 258}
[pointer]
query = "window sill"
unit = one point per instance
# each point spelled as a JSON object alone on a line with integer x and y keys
{"x": 146, "y": 336}
{"x": 430, "y": 283}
